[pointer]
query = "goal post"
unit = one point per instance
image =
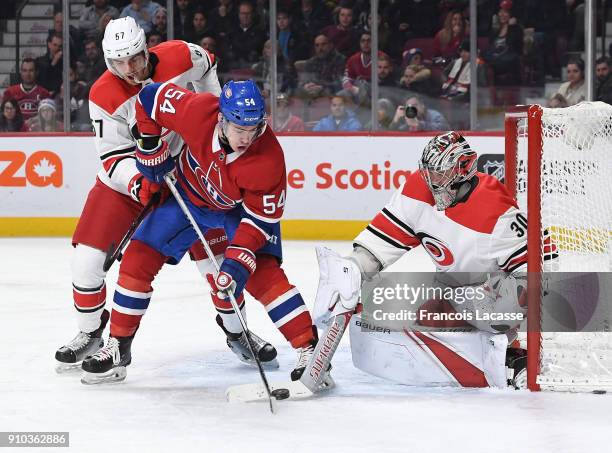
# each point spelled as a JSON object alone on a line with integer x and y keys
{"x": 558, "y": 165}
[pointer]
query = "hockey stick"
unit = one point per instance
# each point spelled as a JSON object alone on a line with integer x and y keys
{"x": 315, "y": 377}
{"x": 115, "y": 252}
{"x": 170, "y": 181}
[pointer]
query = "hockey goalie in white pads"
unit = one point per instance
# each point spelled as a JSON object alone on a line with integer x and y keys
{"x": 467, "y": 223}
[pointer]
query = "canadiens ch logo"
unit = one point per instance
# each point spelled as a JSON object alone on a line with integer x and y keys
{"x": 211, "y": 183}
{"x": 437, "y": 249}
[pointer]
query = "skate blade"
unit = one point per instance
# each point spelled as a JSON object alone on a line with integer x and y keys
{"x": 248, "y": 393}
{"x": 117, "y": 374}
{"x": 67, "y": 368}
{"x": 269, "y": 365}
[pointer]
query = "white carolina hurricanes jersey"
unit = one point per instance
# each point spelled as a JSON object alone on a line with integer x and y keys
{"x": 487, "y": 233}
{"x": 112, "y": 106}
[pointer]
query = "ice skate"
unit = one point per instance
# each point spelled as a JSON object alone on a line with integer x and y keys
{"x": 108, "y": 364}
{"x": 304, "y": 356}
{"x": 516, "y": 366}
{"x": 70, "y": 356}
{"x": 238, "y": 345}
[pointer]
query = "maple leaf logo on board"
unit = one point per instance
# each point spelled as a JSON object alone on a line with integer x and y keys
{"x": 44, "y": 169}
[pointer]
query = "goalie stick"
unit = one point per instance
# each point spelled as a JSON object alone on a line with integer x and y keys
{"x": 315, "y": 377}
{"x": 170, "y": 181}
{"x": 113, "y": 252}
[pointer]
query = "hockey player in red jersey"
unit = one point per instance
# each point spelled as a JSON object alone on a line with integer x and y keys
{"x": 468, "y": 223}
{"x": 121, "y": 190}
{"x": 231, "y": 174}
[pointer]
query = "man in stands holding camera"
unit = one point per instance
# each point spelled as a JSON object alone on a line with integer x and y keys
{"x": 414, "y": 116}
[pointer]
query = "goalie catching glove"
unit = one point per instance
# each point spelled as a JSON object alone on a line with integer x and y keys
{"x": 238, "y": 265}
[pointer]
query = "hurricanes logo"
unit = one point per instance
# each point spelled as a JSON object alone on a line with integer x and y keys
{"x": 437, "y": 249}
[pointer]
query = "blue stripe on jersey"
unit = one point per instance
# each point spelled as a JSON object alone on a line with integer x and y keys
{"x": 146, "y": 96}
{"x": 286, "y": 307}
{"x": 130, "y": 302}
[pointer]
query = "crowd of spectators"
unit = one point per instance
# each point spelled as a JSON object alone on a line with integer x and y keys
{"x": 324, "y": 58}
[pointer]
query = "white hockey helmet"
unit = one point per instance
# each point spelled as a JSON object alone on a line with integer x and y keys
{"x": 123, "y": 38}
{"x": 447, "y": 162}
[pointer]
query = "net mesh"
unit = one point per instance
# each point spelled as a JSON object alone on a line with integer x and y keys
{"x": 576, "y": 219}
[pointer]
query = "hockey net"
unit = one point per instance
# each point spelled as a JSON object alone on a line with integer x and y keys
{"x": 559, "y": 166}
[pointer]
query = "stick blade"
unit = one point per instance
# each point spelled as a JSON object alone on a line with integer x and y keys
{"x": 248, "y": 393}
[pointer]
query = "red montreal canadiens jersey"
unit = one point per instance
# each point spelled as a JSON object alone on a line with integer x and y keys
{"x": 211, "y": 177}
{"x": 27, "y": 100}
{"x": 112, "y": 106}
{"x": 487, "y": 233}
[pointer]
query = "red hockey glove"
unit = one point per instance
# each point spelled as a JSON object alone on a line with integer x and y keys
{"x": 238, "y": 265}
{"x": 142, "y": 190}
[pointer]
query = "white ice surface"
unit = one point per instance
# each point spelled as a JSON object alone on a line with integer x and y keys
{"x": 173, "y": 398}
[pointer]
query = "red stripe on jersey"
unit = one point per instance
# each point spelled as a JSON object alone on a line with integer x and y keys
{"x": 386, "y": 226}
{"x": 467, "y": 374}
{"x": 111, "y": 161}
{"x": 518, "y": 260}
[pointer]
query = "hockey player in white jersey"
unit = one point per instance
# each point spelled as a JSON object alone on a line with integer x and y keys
{"x": 120, "y": 191}
{"x": 468, "y": 223}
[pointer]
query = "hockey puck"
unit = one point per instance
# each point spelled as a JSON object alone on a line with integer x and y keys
{"x": 596, "y": 392}
{"x": 280, "y": 394}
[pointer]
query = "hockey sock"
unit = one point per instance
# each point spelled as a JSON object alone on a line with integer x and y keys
{"x": 88, "y": 287}
{"x": 282, "y": 300}
{"x": 229, "y": 321}
{"x": 139, "y": 266}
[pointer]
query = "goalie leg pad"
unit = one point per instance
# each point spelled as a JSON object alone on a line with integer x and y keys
{"x": 430, "y": 359}
{"x": 88, "y": 287}
{"x": 139, "y": 266}
{"x": 282, "y": 300}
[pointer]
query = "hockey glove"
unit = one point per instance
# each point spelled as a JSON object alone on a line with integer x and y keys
{"x": 142, "y": 190}
{"x": 238, "y": 265}
{"x": 153, "y": 160}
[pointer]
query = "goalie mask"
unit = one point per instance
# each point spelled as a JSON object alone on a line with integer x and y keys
{"x": 447, "y": 163}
